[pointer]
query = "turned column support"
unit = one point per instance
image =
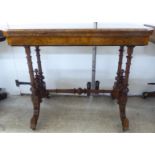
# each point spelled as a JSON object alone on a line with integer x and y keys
{"x": 121, "y": 51}
{"x": 36, "y": 99}
{"x": 122, "y": 99}
{"x": 128, "y": 64}
{"x": 42, "y": 87}
{"x": 37, "y": 49}
{"x": 119, "y": 77}
{"x": 30, "y": 68}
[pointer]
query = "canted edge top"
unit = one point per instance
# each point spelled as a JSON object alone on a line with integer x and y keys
{"x": 78, "y": 32}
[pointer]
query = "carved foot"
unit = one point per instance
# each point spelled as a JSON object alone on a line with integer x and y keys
{"x": 122, "y": 108}
{"x": 33, "y": 123}
{"x": 125, "y": 124}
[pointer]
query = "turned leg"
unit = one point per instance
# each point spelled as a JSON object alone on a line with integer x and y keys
{"x": 119, "y": 77}
{"x": 122, "y": 99}
{"x": 43, "y": 91}
{"x": 39, "y": 62}
{"x": 35, "y": 92}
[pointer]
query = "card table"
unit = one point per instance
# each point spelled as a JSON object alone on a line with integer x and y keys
{"x": 124, "y": 38}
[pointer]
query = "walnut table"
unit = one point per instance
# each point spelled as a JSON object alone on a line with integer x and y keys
{"x": 125, "y": 38}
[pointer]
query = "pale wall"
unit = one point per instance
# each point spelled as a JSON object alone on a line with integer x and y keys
{"x": 69, "y": 67}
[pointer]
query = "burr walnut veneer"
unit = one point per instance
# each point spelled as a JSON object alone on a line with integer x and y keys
{"x": 123, "y": 37}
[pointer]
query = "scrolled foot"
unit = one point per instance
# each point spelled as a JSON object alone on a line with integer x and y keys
{"x": 125, "y": 124}
{"x": 33, "y": 123}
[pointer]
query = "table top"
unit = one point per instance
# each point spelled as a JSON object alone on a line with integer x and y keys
{"x": 78, "y": 37}
{"x": 152, "y": 37}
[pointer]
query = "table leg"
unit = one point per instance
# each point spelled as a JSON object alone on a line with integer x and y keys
{"x": 119, "y": 77}
{"x": 122, "y": 99}
{"x": 43, "y": 90}
{"x": 36, "y": 99}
